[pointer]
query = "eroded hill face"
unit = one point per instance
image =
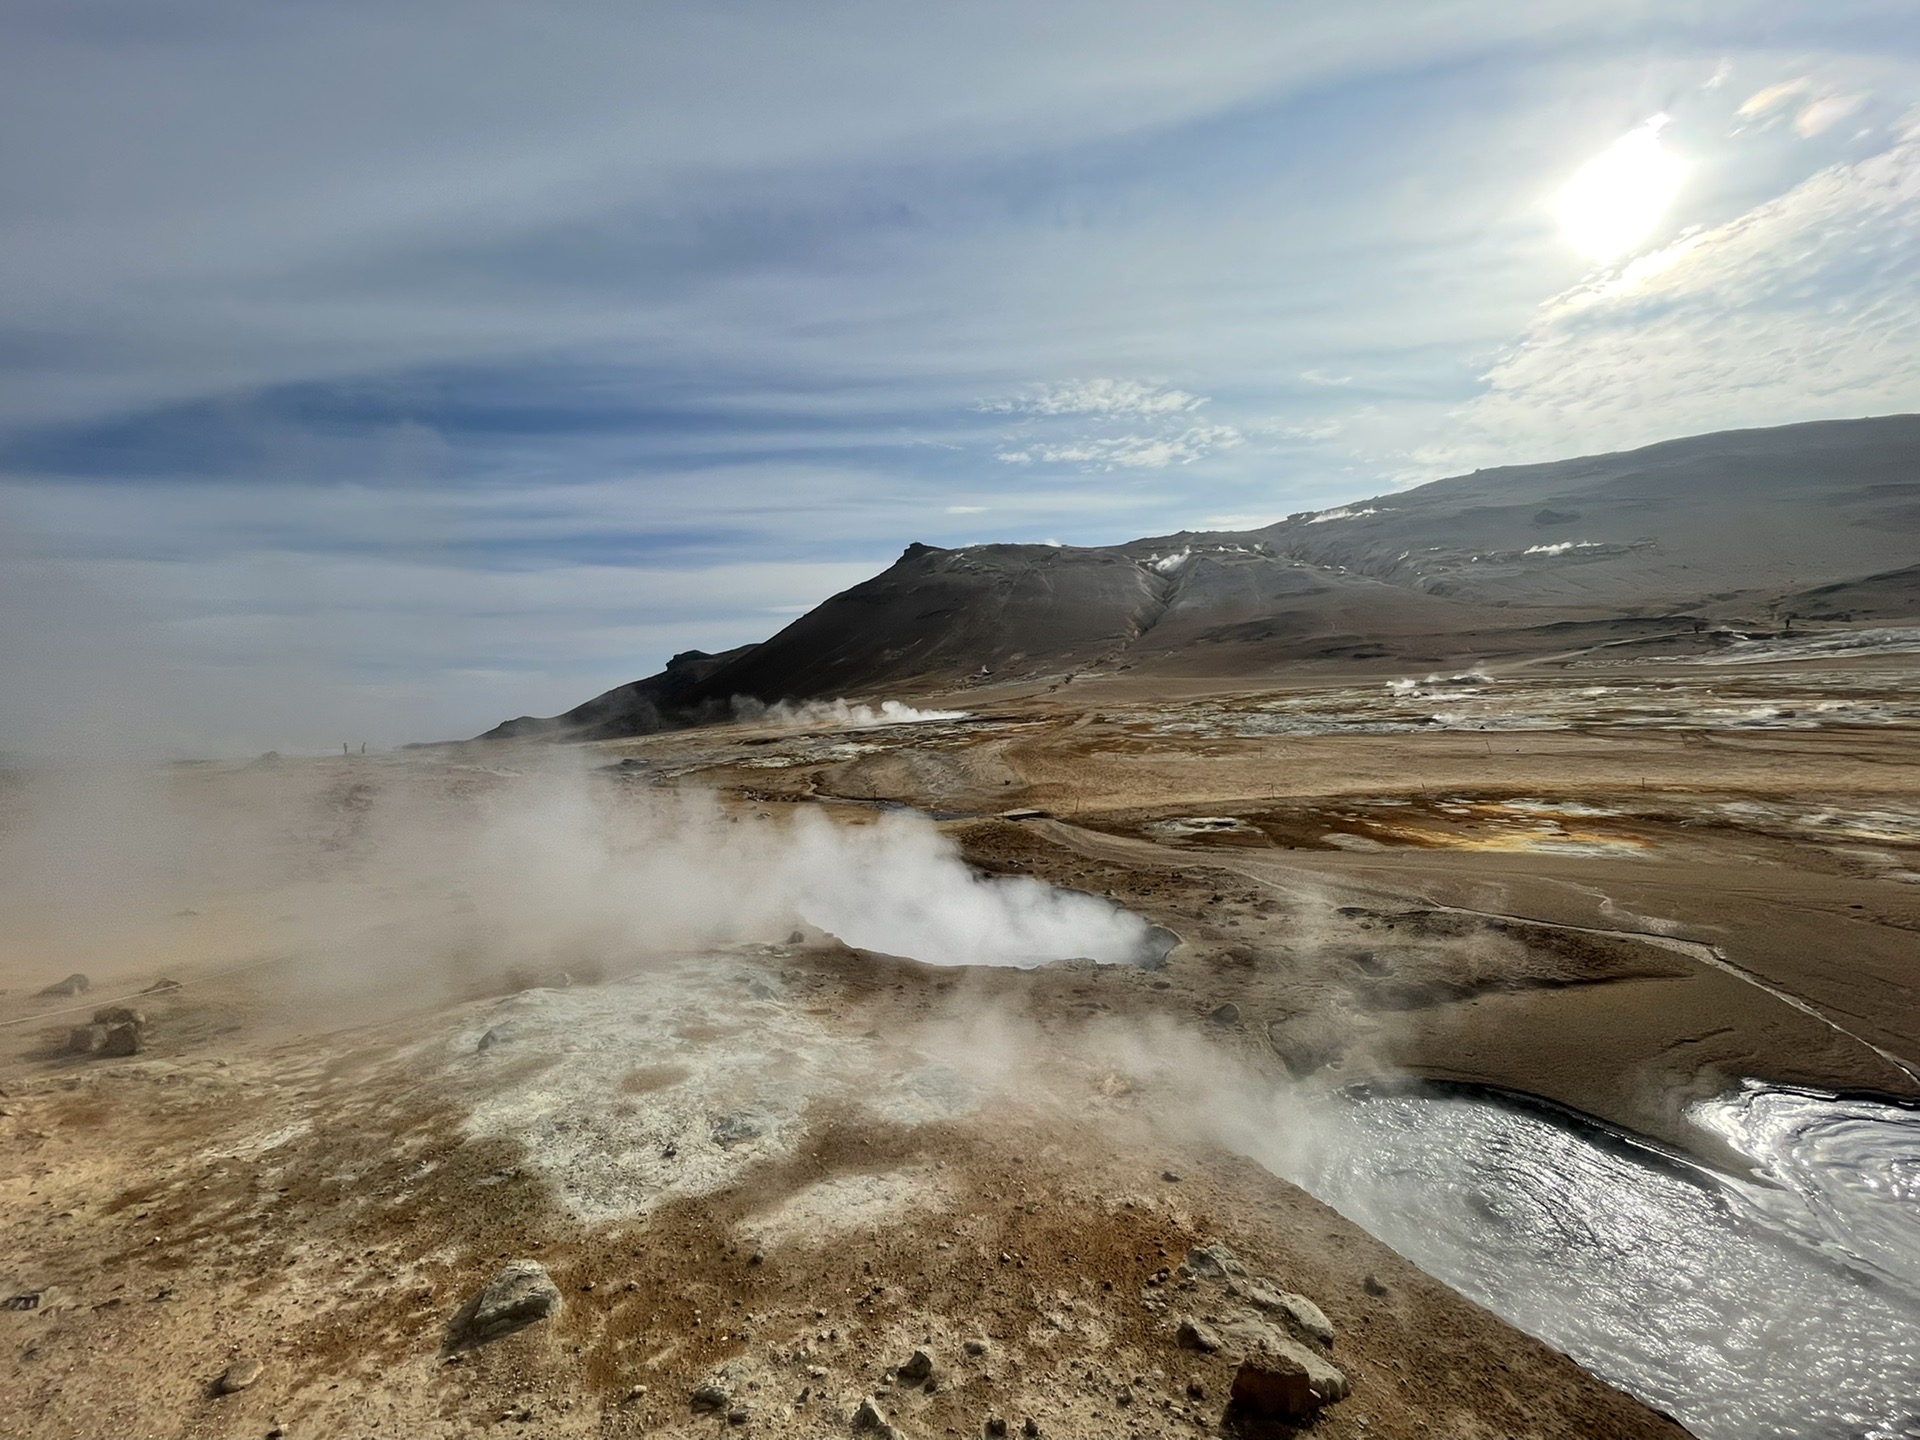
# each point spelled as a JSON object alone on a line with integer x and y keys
{"x": 1737, "y": 532}
{"x": 1673, "y": 525}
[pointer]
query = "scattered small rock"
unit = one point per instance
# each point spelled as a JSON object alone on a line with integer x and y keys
{"x": 1227, "y": 1015}
{"x": 867, "y": 1419}
{"x": 738, "y": 1125}
{"x": 1172, "y": 1177}
{"x": 995, "y": 1427}
{"x": 1214, "y": 1262}
{"x": 238, "y": 1376}
{"x": 161, "y": 986}
{"x": 116, "y": 1030}
{"x": 74, "y": 984}
{"x": 975, "y": 1346}
{"x": 1373, "y": 1286}
{"x": 739, "y": 1415}
{"x": 710, "y": 1397}
{"x": 1197, "y": 1335}
{"x": 521, "y": 1294}
{"x": 917, "y": 1369}
{"x": 1287, "y": 1381}
{"x": 1030, "y": 1428}
{"x": 1300, "y": 1314}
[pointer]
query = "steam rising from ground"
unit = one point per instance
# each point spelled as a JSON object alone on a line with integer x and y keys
{"x": 1783, "y": 1304}
{"x": 819, "y": 714}
{"x": 417, "y": 879}
{"x": 386, "y": 873}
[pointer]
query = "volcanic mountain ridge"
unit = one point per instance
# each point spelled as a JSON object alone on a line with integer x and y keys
{"x": 1704, "y": 537}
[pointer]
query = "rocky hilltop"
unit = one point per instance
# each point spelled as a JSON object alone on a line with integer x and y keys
{"x": 1745, "y": 529}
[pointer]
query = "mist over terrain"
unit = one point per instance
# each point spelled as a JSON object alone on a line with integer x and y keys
{"x": 370, "y": 879}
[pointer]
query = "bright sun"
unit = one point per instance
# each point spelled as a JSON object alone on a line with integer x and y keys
{"x": 1615, "y": 199}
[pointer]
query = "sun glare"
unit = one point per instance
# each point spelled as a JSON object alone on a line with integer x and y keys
{"x": 1614, "y": 200}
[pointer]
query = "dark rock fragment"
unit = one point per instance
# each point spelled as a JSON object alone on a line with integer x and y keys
{"x": 521, "y": 1294}
{"x": 1197, "y": 1335}
{"x": 238, "y": 1376}
{"x": 918, "y": 1368}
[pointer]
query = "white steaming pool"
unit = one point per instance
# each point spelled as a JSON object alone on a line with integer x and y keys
{"x": 1784, "y": 1305}
{"x": 987, "y": 920}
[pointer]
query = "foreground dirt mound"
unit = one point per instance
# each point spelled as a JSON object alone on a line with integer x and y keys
{"x": 776, "y": 1190}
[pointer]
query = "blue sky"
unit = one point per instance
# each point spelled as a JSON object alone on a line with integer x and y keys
{"x": 379, "y": 371}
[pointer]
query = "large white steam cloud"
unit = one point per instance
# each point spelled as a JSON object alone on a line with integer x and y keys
{"x": 370, "y": 874}
{"x": 658, "y": 872}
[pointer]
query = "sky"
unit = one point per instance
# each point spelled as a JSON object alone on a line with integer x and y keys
{"x": 379, "y": 371}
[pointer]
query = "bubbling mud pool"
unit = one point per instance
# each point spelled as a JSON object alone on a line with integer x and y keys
{"x": 1784, "y": 1303}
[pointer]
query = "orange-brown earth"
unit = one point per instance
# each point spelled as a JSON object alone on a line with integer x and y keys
{"x": 1615, "y": 913}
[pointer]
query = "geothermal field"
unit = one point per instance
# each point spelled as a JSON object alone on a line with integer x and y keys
{"x": 1528, "y": 1049}
{"x": 1083, "y": 720}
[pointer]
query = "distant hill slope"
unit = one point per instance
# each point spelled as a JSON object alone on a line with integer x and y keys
{"x": 1821, "y": 517}
{"x": 641, "y": 707}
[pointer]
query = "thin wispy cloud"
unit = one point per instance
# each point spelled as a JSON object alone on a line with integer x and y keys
{"x": 1824, "y": 114}
{"x": 1765, "y": 101}
{"x": 1117, "y": 406}
{"x": 1131, "y": 452}
{"x": 1098, "y": 397}
{"x": 335, "y": 391}
{"x": 1804, "y": 307}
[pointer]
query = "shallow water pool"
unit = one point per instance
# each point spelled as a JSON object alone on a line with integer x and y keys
{"x": 1781, "y": 1303}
